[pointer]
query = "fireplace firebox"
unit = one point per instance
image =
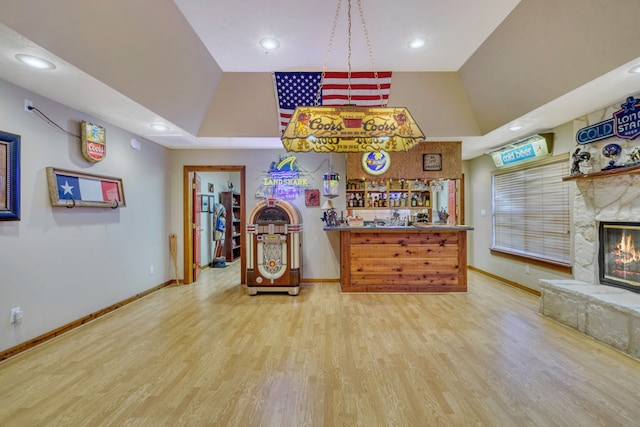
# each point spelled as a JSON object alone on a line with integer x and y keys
{"x": 619, "y": 255}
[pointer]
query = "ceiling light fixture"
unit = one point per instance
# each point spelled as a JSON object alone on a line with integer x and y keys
{"x": 159, "y": 127}
{"x": 35, "y": 62}
{"x": 635, "y": 70}
{"x": 349, "y": 128}
{"x": 269, "y": 43}
{"x": 416, "y": 43}
{"x": 515, "y": 127}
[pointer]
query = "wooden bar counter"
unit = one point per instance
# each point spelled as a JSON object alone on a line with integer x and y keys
{"x": 429, "y": 258}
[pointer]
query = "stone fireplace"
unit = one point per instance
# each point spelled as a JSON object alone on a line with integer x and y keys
{"x": 600, "y": 302}
{"x": 609, "y": 309}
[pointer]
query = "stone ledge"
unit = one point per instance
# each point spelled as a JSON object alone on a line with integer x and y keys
{"x": 608, "y": 314}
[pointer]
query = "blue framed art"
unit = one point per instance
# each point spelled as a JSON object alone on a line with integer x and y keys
{"x": 9, "y": 177}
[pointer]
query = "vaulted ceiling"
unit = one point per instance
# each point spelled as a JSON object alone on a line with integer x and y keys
{"x": 197, "y": 65}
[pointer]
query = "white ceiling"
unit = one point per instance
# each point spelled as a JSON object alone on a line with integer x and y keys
{"x": 231, "y": 31}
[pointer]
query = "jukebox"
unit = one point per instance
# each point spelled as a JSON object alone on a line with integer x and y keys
{"x": 274, "y": 246}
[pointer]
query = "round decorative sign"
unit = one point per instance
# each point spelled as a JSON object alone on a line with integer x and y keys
{"x": 376, "y": 162}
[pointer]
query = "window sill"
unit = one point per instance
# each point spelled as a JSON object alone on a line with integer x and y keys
{"x": 556, "y": 266}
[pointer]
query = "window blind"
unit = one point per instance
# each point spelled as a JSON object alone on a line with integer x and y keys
{"x": 531, "y": 211}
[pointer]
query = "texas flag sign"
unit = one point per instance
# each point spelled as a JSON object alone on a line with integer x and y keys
{"x": 72, "y": 189}
{"x": 93, "y": 190}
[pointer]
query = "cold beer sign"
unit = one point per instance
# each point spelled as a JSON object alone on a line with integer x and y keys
{"x": 525, "y": 149}
{"x": 625, "y": 124}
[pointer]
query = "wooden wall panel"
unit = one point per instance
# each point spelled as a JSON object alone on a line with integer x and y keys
{"x": 409, "y": 165}
{"x": 403, "y": 261}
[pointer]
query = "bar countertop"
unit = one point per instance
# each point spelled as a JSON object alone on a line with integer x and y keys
{"x": 429, "y": 227}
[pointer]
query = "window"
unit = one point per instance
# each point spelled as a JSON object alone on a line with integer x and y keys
{"x": 531, "y": 211}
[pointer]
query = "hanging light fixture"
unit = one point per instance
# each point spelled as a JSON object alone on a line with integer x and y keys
{"x": 331, "y": 182}
{"x": 350, "y": 129}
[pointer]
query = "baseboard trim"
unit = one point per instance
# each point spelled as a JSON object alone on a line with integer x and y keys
{"x": 507, "y": 281}
{"x": 69, "y": 326}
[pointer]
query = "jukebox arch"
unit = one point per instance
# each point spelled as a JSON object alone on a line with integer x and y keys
{"x": 274, "y": 245}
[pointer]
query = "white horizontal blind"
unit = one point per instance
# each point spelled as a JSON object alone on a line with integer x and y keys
{"x": 531, "y": 211}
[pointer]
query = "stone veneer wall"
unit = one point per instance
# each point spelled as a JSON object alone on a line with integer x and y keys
{"x": 604, "y": 199}
{"x": 608, "y": 314}
{"x": 615, "y": 198}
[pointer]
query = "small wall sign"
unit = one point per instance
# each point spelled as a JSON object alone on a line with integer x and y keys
{"x": 312, "y": 197}
{"x": 376, "y": 162}
{"x": 432, "y": 162}
{"x": 94, "y": 141}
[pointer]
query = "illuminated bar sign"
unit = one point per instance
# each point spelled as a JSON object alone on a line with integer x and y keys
{"x": 624, "y": 124}
{"x": 525, "y": 149}
{"x": 284, "y": 180}
{"x": 348, "y": 129}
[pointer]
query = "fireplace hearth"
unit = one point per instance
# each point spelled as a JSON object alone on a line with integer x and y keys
{"x": 619, "y": 255}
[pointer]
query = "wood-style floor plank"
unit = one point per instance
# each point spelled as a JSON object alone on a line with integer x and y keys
{"x": 208, "y": 354}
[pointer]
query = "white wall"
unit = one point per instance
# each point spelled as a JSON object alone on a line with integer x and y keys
{"x": 61, "y": 264}
{"x": 478, "y": 199}
{"x": 321, "y": 250}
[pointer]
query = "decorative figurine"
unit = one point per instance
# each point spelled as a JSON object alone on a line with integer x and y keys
{"x": 330, "y": 218}
{"x": 578, "y": 157}
{"x": 611, "y": 151}
{"x": 443, "y": 216}
{"x": 634, "y": 157}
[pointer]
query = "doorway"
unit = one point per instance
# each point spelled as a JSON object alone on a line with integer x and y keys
{"x": 188, "y": 226}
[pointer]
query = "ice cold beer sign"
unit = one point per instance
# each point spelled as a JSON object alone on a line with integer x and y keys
{"x": 624, "y": 124}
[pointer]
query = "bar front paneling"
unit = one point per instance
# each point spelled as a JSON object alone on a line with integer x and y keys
{"x": 403, "y": 259}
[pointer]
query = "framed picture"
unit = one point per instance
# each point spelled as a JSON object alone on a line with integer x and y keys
{"x": 212, "y": 203}
{"x": 432, "y": 162}
{"x": 9, "y": 177}
{"x": 210, "y": 188}
{"x": 76, "y": 189}
{"x": 312, "y": 197}
{"x": 205, "y": 203}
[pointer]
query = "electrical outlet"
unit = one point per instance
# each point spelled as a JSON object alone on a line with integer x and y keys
{"x": 151, "y": 270}
{"x": 16, "y": 315}
{"x": 527, "y": 270}
{"x": 28, "y": 105}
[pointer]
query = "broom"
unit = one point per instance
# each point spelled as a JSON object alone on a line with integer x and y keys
{"x": 173, "y": 246}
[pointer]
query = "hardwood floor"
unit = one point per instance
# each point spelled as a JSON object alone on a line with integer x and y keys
{"x": 207, "y": 354}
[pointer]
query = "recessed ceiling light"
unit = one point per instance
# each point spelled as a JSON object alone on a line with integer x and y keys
{"x": 159, "y": 127}
{"x": 515, "y": 127}
{"x": 416, "y": 43}
{"x": 635, "y": 70}
{"x": 269, "y": 43}
{"x": 35, "y": 62}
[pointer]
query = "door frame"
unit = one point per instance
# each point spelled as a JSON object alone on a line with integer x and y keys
{"x": 188, "y": 215}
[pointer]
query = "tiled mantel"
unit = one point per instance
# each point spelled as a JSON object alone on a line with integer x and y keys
{"x": 606, "y": 313}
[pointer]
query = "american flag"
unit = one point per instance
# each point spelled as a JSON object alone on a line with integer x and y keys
{"x": 301, "y": 88}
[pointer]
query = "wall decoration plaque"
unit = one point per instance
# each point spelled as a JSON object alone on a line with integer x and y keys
{"x": 432, "y": 162}
{"x": 94, "y": 141}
